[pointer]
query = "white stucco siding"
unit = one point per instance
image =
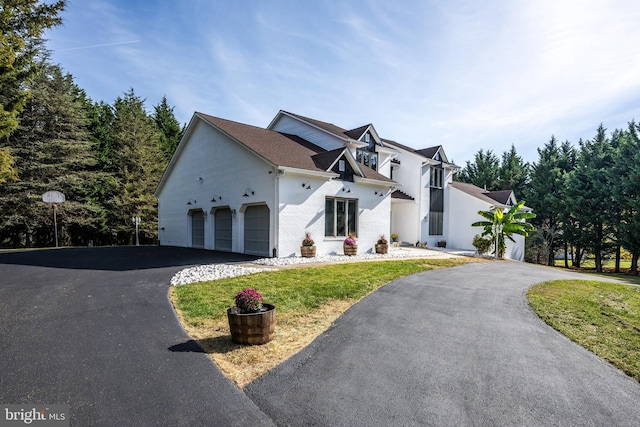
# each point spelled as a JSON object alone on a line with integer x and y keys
{"x": 286, "y": 124}
{"x": 463, "y": 211}
{"x": 408, "y": 216}
{"x": 303, "y": 210}
{"x": 210, "y": 164}
{"x": 405, "y": 223}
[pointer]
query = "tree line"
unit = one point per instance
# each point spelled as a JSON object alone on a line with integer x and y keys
{"x": 107, "y": 159}
{"x": 586, "y": 198}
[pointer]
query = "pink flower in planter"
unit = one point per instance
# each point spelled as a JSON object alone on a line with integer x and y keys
{"x": 249, "y": 300}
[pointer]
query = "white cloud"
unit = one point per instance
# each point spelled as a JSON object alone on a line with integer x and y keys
{"x": 464, "y": 74}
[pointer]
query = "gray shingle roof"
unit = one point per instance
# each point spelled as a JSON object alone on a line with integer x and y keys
{"x": 283, "y": 149}
{"x": 478, "y": 192}
{"x": 278, "y": 148}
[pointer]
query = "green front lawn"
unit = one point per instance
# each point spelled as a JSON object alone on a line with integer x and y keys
{"x": 602, "y": 317}
{"x": 308, "y": 300}
{"x": 297, "y": 289}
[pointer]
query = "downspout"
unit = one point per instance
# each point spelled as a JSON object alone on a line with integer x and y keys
{"x": 276, "y": 213}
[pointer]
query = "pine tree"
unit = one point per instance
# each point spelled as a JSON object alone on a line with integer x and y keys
{"x": 52, "y": 150}
{"x": 7, "y": 166}
{"x": 484, "y": 172}
{"x": 169, "y": 127}
{"x": 140, "y": 164}
{"x": 545, "y": 195}
{"x": 514, "y": 172}
{"x": 625, "y": 178}
{"x": 22, "y": 23}
{"x": 589, "y": 197}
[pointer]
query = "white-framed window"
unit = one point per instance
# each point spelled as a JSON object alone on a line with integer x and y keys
{"x": 340, "y": 217}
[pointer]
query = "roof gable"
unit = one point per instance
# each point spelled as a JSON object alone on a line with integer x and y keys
{"x": 328, "y": 159}
{"x": 504, "y": 197}
{"x": 434, "y": 153}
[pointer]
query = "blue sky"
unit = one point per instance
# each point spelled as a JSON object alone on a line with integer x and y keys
{"x": 467, "y": 75}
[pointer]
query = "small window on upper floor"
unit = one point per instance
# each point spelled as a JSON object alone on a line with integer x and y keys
{"x": 436, "y": 177}
{"x": 367, "y": 158}
{"x": 344, "y": 169}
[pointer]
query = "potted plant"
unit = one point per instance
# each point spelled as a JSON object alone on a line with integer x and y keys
{"x": 251, "y": 321}
{"x": 394, "y": 237}
{"x": 382, "y": 247}
{"x": 308, "y": 248}
{"x": 349, "y": 246}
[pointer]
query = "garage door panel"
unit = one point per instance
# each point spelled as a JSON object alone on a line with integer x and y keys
{"x": 223, "y": 230}
{"x": 256, "y": 230}
{"x": 197, "y": 229}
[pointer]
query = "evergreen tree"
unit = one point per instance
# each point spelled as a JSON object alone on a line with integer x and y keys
{"x": 484, "y": 172}
{"x": 103, "y": 190}
{"x": 169, "y": 127}
{"x": 22, "y": 23}
{"x": 52, "y": 150}
{"x": 625, "y": 178}
{"x": 7, "y": 169}
{"x": 589, "y": 197}
{"x": 514, "y": 172}
{"x": 545, "y": 195}
{"x": 140, "y": 164}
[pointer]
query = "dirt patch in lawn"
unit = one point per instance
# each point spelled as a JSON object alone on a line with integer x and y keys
{"x": 243, "y": 364}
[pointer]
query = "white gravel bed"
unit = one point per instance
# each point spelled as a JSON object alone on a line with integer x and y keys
{"x": 203, "y": 273}
{"x": 338, "y": 258}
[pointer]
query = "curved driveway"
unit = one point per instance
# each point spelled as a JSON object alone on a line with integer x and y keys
{"x": 93, "y": 328}
{"x": 450, "y": 347}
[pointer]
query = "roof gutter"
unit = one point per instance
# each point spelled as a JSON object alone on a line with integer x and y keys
{"x": 297, "y": 171}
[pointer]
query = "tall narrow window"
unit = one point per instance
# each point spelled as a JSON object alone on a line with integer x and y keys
{"x": 436, "y": 202}
{"x": 436, "y": 177}
{"x": 341, "y": 217}
{"x": 329, "y": 217}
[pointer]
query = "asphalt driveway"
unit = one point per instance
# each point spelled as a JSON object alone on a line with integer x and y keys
{"x": 94, "y": 329}
{"x": 450, "y": 347}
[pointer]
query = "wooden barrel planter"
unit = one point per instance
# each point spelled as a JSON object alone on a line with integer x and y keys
{"x": 382, "y": 248}
{"x": 308, "y": 251}
{"x": 350, "y": 250}
{"x": 252, "y": 328}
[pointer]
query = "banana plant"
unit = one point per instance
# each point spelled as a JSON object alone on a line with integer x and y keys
{"x": 502, "y": 224}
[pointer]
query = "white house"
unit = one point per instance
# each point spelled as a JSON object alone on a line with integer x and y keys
{"x": 476, "y": 199}
{"x": 241, "y": 188}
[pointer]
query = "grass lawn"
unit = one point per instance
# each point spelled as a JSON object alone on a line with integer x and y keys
{"x": 602, "y": 317}
{"x": 308, "y": 300}
{"x": 591, "y": 263}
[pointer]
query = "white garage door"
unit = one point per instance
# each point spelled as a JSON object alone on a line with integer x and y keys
{"x": 223, "y": 230}
{"x": 197, "y": 229}
{"x": 256, "y": 230}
